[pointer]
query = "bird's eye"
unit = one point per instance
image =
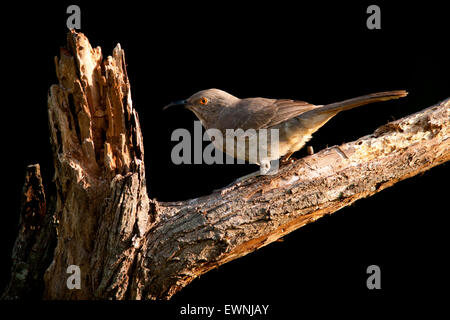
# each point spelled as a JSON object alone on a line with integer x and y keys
{"x": 203, "y": 100}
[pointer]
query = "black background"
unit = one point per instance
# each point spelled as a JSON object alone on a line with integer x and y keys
{"x": 319, "y": 53}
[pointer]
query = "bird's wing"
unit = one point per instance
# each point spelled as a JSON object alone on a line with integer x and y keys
{"x": 259, "y": 113}
{"x": 288, "y": 109}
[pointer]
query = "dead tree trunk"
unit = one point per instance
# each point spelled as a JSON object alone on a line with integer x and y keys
{"x": 129, "y": 246}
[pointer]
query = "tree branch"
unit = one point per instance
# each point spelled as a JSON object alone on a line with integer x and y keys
{"x": 131, "y": 247}
{"x": 198, "y": 235}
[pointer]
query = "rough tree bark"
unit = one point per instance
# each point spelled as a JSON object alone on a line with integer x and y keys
{"x": 129, "y": 246}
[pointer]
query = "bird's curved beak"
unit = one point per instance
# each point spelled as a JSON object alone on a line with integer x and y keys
{"x": 176, "y": 103}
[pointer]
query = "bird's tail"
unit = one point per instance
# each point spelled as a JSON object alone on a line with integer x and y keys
{"x": 362, "y": 100}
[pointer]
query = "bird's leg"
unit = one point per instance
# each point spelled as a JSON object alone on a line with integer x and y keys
{"x": 264, "y": 167}
{"x": 286, "y": 159}
{"x": 268, "y": 167}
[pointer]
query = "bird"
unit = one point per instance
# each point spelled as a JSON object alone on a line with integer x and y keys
{"x": 294, "y": 121}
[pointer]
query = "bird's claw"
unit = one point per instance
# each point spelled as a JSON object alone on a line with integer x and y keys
{"x": 288, "y": 160}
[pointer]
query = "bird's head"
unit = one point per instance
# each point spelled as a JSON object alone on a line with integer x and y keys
{"x": 207, "y": 104}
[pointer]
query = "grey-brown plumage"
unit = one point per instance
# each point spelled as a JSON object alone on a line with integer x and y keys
{"x": 295, "y": 120}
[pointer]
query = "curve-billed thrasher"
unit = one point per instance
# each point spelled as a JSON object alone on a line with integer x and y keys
{"x": 296, "y": 121}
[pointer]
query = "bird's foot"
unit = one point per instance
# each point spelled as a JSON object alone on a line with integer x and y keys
{"x": 287, "y": 160}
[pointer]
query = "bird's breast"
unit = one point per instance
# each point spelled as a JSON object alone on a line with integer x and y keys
{"x": 250, "y": 145}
